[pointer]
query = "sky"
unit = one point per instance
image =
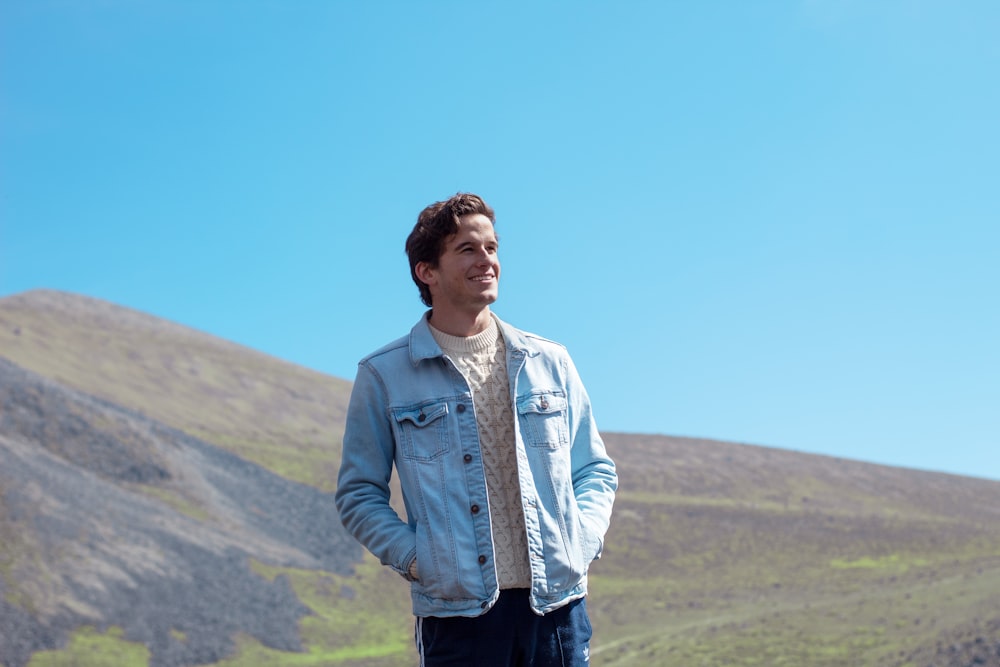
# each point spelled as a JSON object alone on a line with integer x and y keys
{"x": 774, "y": 223}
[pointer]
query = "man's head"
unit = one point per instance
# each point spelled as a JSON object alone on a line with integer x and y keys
{"x": 436, "y": 224}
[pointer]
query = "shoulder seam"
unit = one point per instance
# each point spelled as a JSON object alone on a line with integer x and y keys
{"x": 385, "y": 349}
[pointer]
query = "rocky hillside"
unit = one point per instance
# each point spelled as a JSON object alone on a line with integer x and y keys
{"x": 110, "y": 518}
{"x": 288, "y": 418}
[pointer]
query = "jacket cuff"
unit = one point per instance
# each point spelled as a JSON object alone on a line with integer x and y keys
{"x": 404, "y": 568}
{"x": 592, "y": 540}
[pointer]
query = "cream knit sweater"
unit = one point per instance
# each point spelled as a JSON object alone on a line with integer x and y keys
{"x": 482, "y": 359}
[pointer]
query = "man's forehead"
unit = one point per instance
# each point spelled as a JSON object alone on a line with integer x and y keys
{"x": 473, "y": 230}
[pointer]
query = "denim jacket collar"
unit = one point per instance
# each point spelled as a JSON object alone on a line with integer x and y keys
{"x": 423, "y": 346}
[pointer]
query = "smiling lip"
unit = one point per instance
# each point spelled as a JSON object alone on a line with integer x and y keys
{"x": 482, "y": 279}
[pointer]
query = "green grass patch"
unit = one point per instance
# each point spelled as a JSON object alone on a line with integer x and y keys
{"x": 174, "y": 501}
{"x": 355, "y": 617}
{"x": 313, "y": 464}
{"x": 894, "y": 563}
{"x": 90, "y": 648}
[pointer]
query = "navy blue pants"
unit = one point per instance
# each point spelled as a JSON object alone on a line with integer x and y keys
{"x": 508, "y": 635}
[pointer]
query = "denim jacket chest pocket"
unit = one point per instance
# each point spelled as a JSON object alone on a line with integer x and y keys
{"x": 546, "y": 417}
{"x": 421, "y": 430}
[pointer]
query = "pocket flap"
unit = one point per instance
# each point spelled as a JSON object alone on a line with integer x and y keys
{"x": 545, "y": 403}
{"x": 421, "y": 415}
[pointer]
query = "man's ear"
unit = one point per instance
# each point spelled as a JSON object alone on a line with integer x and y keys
{"x": 426, "y": 273}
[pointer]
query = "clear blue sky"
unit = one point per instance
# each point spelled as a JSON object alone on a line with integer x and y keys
{"x": 768, "y": 222}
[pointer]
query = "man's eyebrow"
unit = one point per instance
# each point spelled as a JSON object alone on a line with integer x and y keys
{"x": 470, "y": 242}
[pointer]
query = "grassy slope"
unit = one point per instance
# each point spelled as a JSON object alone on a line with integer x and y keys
{"x": 285, "y": 417}
{"x": 729, "y": 554}
{"x": 718, "y": 553}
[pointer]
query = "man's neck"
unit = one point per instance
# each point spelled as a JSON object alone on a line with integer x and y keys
{"x": 461, "y": 323}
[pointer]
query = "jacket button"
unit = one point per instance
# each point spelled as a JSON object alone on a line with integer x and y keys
{"x": 421, "y": 417}
{"x": 467, "y": 458}
{"x": 545, "y": 405}
{"x": 475, "y": 509}
{"x": 461, "y": 407}
{"x": 482, "y": 560}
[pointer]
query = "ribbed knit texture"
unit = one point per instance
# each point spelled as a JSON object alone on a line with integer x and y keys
{"x": 482, "y": 359}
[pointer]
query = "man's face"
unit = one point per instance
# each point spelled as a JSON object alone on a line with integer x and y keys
{"x": 467, "y": 276}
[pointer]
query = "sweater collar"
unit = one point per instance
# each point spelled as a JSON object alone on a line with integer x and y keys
{"x": 423, "y": 346}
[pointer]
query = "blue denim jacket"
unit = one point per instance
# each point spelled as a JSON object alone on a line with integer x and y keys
{"x": 412, "y": 408}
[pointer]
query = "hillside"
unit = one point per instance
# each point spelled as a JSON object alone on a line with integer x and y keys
{"x": 733, "y": 554}
{"x": 165, "y": 500}
{"x": 111, "y": 519}
{"x": 269, "y": 411}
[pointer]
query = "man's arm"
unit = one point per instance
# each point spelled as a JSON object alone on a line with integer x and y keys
{"x": 595, "y": 479}
{"x": 362, "y": 495}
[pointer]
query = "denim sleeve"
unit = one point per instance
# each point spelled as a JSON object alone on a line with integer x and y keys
{"x": 595, "y": 479}
{"x": 362, "y": 494}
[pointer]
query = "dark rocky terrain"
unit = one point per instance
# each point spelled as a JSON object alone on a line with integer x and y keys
{"x": 112, "y": 519}
{"x": 968, "y": 648}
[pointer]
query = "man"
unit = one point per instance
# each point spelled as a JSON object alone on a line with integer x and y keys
{"x": 505, "y": 480}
